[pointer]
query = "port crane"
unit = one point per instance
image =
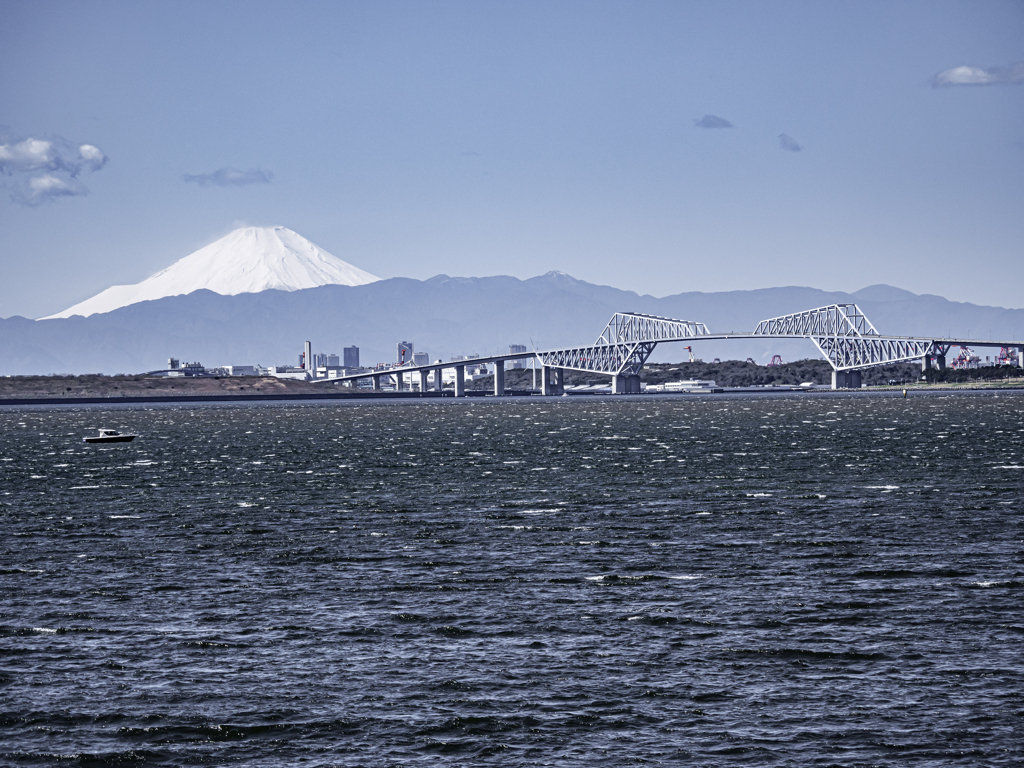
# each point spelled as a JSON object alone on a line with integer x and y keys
{"x": 1007, "y": 356}
{"x": 966, "y": 359}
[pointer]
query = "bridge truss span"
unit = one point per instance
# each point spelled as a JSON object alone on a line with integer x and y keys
{"x": 631, "y": 327}
{"x": 845, "y": 337}
{"x": 852, "y": 354}
{"x": 624, "y": 345}
{"x": 609, "y": 359}
{"x": 833, "y": 321}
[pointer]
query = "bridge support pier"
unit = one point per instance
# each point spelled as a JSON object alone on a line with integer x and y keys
{"x": 424, "y": 373}
{"x": 499, "y": 378}
{"x": 625, "y": 384}
{"x": 376, "y": 383}
{"x": 940, "y": 362}
{"x": 846, "y": 380}
{"x": 460, "y": 381}
{"x": 399, "y": 383}
{"x": 926, "y": 364}
{"x": 437, "y": 379}
{"x": 549, "y": 387}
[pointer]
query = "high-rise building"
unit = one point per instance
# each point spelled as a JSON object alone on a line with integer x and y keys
{"x": 421, "y": 358}
{"x": 517, "y": 349}
{"x": 404, "y": 352}
{"x": 351, "y": 357}
{"x": 332, "y": 361}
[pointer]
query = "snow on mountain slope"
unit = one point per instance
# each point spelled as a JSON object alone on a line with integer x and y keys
{"x": 247, "y": 260}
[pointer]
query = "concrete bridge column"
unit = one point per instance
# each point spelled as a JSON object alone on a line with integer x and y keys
{"x": 398, "y": 381}
{"x": 376, "y": 383}
{"x": 545, "y": 380}
{"x": 940, "y": 362}
{"x": 499, "y": 378}
{"x": 559, "y": 381}
{"x": 460, "y": 381}
{"x": 1020, "y": 357}
{"x": 424, "y": 373}
{"x": 437, "y": 380}
{"x": 846, "y": 380}
{"x": 633, "y": 385}
{"x": 926, "y": 364}
{"x": 617, "y": 384}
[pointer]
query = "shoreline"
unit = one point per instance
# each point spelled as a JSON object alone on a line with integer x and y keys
{"x": 474, "y": 394}
{"x": 297, "y": 396}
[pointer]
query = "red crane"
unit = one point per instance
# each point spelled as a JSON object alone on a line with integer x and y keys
{"x": 966, "y": 359}
{"x": 776, "y": 361}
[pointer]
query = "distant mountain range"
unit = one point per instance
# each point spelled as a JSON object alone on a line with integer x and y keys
{"x": 443, "y": 316}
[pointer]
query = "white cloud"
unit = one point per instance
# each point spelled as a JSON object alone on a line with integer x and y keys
{"x": 45, "y": 169}
{"x": 230, "y": 177}
{"x": 964, "y": 75}
{"x": 31, "y": 155}
{"x": 26, "y": 156}
{"x": 92, "y": 157}
{"x": 39, "y": 189}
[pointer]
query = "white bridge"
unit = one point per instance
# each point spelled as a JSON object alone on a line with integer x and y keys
{"x": 842, "y": 333}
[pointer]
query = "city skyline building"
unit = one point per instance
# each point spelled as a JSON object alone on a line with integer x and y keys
{"x": 517, "y": 349}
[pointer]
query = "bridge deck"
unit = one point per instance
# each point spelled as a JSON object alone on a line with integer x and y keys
{"x": 540, "y": 354}
{"x": 841, "y": 332}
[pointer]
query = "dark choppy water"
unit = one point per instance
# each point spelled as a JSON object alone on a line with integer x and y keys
{"x": 780, "y": 581}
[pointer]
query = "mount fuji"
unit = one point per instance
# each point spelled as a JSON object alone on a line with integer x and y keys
{"x": 248, "y": 260}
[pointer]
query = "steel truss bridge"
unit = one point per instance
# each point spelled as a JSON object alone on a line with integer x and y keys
{"x": 842, "y": 333}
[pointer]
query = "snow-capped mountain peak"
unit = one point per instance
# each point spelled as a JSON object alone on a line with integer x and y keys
{"x": 247, "y": 260}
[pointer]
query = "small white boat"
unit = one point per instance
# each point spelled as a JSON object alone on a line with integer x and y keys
{"x": 110, "y": 436}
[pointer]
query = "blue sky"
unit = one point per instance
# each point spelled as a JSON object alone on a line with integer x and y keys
{"x": 482, "y": 138}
